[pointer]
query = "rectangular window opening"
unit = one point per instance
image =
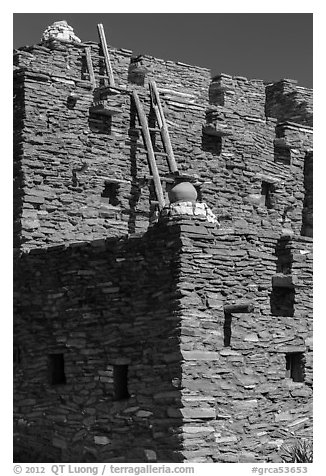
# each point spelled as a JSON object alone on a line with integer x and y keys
{"x": 282, "y": 301}
{"x": 295, "y": 366}
{"x": 227, "y": 329}
{"x": 100, "y": 124}
{"x": 111, "y": 192}
{"x": 120, "y": 379}
{"x": 212, "y": 144}
{"x": 282, "y": 155}
{"x": 284, "y": 257}
{"x": 266, "y": 193}
{"x": 57, "y": 369}
{"x": 199, "y": 193}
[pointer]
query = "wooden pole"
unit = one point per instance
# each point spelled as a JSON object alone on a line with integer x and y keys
{"x": 150, "y": 151}
{"x": 106, "y": 54}
{"x": 90, "y": 66}
{"x": 163, "y": 126}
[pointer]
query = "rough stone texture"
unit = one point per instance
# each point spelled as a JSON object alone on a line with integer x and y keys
{"x": 60, "y": 30}
{"x": 63, "y": 156}
{"x": 95, "y": 283}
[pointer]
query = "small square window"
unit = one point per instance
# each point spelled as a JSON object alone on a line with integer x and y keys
{"x": 212, "y": 144}
{"x": 57, "y": 369}
{"x": 295, "y": 366}
{"x": 100, "y": 123}
{"x": 111, "y": 193}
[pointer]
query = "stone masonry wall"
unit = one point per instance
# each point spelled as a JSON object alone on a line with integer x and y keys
{"x": 101, "y": 305}
{"x": 241, "y": 404}
{"x": 219, "y": 130}
{"x": 125, "y": 349}
{"x": 156, "y": 303}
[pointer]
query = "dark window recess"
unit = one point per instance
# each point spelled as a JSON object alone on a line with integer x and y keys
{"x": 227, "y": 329}
{"x": 282, "y": 301}
{"x": 282, "y": 155}
{"x": 100, "y": 123}
{"x": 57, "y": 369}
{"x": 284, "y": 257}
{"x": 267, "y": 190}
{"x": 120, "y": 379}
{"x": 212, "y": 144}
{"x": 199, "y": 193}
{"x": 295, "y": 366}
{"x": 111, "y": 193}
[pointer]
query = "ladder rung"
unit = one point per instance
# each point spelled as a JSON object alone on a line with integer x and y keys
{"x": 102, "y": 76}
{"x": 161, "y": 153}
{"x": 163, "y": 179}
{"x": 151, "y": 129}
{"x": 99, "y": 75}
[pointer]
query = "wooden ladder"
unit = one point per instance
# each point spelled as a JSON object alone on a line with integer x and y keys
{"x": 108, "y": 77}
{"x": 164, "y": 132}
{"x": 162, "y": 125}
{"x": 146, "y": 130}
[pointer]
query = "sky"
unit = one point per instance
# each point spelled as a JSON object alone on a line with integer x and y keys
{"x": 268, "y": 46}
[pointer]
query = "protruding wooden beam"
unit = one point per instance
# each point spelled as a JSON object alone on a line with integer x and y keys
{"x": 241, "y": 306}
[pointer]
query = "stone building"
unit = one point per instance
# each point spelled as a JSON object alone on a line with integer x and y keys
{"x": 174, "y": 335}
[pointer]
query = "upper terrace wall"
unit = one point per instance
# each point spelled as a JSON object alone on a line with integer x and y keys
{"x": 64, "y": 156}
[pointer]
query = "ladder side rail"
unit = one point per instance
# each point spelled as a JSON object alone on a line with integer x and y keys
{"x": 156, "y": 110}
{"x": 164, "y": 128}
{"x": 106, "y": 54}
{"x": 90, "y": 66}
{"x": 150, "y": 151}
